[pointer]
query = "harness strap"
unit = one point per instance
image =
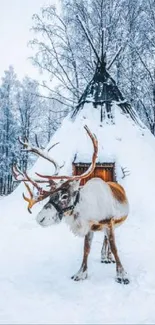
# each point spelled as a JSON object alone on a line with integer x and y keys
{"x": 59, "y": 210}
{"x": 71, "y": 207}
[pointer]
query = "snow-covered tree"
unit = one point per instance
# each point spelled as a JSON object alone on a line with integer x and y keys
{"x": 24, "y": 113}
{"x": 8, "y": 124}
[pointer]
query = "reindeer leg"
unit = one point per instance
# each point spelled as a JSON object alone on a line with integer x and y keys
{"x": 82, "y": 273}
{"x": 121, "y": 275}
{"x": 106, "y": 254}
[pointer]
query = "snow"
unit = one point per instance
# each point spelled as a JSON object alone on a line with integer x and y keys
{"x": 37, "y": 263}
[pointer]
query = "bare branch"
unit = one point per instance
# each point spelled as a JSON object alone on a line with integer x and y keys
{"x": 125, "y": 172}
{"x": 145, "y": 66}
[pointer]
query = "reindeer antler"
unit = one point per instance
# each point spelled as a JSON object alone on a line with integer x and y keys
{"x": 90, "y": 169}
{"x": 42, "y": 194}
{"x": 43, "y": 148}
{"x": 33, "y": 199}
{"x": 40, "y": 152}
{"x": 21, "y": 176}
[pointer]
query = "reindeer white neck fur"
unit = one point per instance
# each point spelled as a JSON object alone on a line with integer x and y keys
{"x": 96, "y": 203}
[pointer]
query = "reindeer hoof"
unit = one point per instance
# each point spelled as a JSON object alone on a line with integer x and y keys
{"x": 79, "y": 276}
{"x": 122, "y": 280}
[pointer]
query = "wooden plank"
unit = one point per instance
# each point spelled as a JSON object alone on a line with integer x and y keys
{"x": 105, "y": 171}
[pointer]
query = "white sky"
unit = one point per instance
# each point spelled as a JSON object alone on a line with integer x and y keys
{"x": 15, "y": 24}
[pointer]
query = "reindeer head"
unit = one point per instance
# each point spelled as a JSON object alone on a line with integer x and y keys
{"x": 63, "y": 193}
{"x": 60, "y": 202}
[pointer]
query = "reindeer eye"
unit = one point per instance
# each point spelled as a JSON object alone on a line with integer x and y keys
{"x": 65, "y": 196}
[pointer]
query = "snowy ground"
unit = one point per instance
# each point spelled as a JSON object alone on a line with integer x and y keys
{"x": 36, "y": 265}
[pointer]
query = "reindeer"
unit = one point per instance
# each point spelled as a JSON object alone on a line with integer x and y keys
{"x": 97, "y": 206}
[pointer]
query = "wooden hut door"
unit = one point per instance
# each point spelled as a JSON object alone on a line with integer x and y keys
{"x": 104, "y": 171}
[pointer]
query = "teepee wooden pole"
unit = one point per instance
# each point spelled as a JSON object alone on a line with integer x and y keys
{"x": 114, "y": 58}
{"x": 88, "y": 37}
